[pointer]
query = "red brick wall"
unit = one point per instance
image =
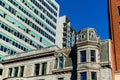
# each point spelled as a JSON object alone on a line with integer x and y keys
{"x": 115, "y": 34}
{"x": 115, "y": 31}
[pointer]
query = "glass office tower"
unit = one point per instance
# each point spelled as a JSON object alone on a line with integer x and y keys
{"x": 27, "y": 25}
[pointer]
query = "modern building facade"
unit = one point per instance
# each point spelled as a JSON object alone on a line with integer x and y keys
{"x": 27, "y": 25}
{"x": 89, "y": 59}
{"x": 66, "y": 35}
{"x": 114, "y": 21}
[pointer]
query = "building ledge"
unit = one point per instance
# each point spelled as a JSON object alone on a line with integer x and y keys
{"x": 68, "y": 69}
{"x": 118, "y": 71}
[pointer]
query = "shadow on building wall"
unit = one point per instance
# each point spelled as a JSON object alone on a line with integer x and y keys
{"x": 73, "y": 56}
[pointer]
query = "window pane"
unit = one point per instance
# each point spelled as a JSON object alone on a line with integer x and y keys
{"x": 83, "y": 56}
{"x": 60, "y": 78}
{"x": 1, "y": 71}
{"x": 83, "y": 76}
{"x": 119, "y": 10}
{"x": 93, "y": 76}
{"x": 93, "y": 56}
{"x": 37, "y": 67}
{"x": 61, "y": 62}
{"x": 21, "y": 71}
{"x": 44, "y": 67}
{"x": 16, "y": 72}
{"x": 10, "y": 72}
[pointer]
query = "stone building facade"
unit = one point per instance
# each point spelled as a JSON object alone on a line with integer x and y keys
{"x": 89, "y": 59}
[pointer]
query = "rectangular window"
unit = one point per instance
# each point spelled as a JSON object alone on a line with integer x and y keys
{"x": 83, "y": 56}
{"x": 93, "y": 56}
{"x": 10, "y": 72}
{"x": 60, "y": 78}
{"x": 44, "y": 67}
{"x": 119, "y": 26}
{"x": 37, "y": 68}
{"x": 93, "y": 76}
{"x": 21, "y": 71}
{"x": 1, "y": 70}
{"x": 119, "y": 10}
{"x": 83, "y": 76}
{"x": 61, "y": 62}
{"x": 15, "y": 71}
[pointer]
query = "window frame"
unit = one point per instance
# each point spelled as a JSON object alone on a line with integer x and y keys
{"x": 118, "y": 10}
{"x": 16, "y": 70}
{"x": 83, "y": 75}
{"x": 83, "y": 56}
{"x": 61, "y": 62}
{"x": 93, "y": 77}
{"x": 10, "y": 72}
{"x": 44, "y": 68}
{"x": 22, "y": 71}
{"x": 93, "y": 55}
{"x": 36, "y": 69}
{"x": 61, "y": 78}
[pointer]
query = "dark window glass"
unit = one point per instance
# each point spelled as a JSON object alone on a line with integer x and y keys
{"x": 1, "y": 71}
{"x": 15, "y": 71}
{"x": 44, "y": 67}
{"x": 0, "y": 36}
{"x": 93, "y": 57}
{"x": 10, "y": 72}
{"x": 37, "y": 67}
{"x": 93, "y": 76}
{"x": 83, "y": 56}
{"x": 60, "y": 78}
{"x": 61, "y": 62}
{"x": 21, "y": 71}
{"x": 119, "y": 10}
{"x": 83, "y": 75}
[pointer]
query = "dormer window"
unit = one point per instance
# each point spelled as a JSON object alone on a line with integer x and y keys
{"x": 82, "y": 36}
{"x": 92, "y": 35}
{"x": 61, "y": 62}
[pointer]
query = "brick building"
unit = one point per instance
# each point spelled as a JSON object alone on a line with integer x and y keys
{"x": 114, "y": 20}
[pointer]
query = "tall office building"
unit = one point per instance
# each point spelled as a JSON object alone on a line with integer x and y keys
{"x": 114, "y": 17}
{"x": 27, "y": 25}
{"x": 66, "y": 35}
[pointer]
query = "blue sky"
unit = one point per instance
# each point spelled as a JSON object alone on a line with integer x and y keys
{"x": 87, "y": 13}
